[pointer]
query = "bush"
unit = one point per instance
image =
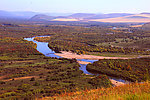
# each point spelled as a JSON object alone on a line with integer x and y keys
{"x": 2, "y": 82}
{"x": 8, "y": 94}
{"x": 24, "y": 87}
{"x": 32, "y": 79}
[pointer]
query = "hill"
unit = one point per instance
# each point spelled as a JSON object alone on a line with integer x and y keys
{"x": 111, "y": 15}
{"x": 23, "y": 14}
{"x": 140, "y": 18}
{"x": 81, "y": 15}
{"x": 89, "y": 16}
{"x": 146, "y": 26}
{"x": 111, "y": 18}
{"x": 5, "y": 14}
{"x": 41, "y": 17}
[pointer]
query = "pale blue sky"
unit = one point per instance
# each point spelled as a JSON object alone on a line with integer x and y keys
{"x": 77, "y": 6}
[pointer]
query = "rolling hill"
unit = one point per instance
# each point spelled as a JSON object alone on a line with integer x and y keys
{"x": 139, "y": 18}
{"x": 111, "y": 18}
{"x": 83, "y": 17}
{"x": 17, "y": 14}
{"x": 26, "y": 14}
{"x": 41, "y": 17}
{"x": 89, "y": 16}
{"x": 146, "y": 26}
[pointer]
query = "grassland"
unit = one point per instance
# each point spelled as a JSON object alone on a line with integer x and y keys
{"x": 133, "y": 91}
{"x": 27, "y": 74}
{"x": 36, "y": 78}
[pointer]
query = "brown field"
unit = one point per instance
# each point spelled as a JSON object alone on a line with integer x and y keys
{"x": 136, "y": 26}
{"x": 126, "y": 19}
{"x": 121, "y": 20}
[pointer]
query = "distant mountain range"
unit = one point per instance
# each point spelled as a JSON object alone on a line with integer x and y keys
{"x": 26, "y": 14}
{"x": 84, "y": 17}
{"x": 97, "y": 16}
{"x": 80, "y": 17}
{"x": 139, "y": 18}
{"x": 87, "y": 17}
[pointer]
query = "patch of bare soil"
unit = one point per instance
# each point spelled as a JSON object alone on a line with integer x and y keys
{"x": 83, "y": 62}
{"x": 91, "y": 57}
{"x": 116, "y": 83}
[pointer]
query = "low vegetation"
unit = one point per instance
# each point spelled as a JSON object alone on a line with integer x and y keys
{"x": 128, "y": 69}
{"x": 45, "y": 77}
{"x": 14, "y": 48}
{"x": 27, "y": 74}
{"x": 98, "y": 40}
{"x": 133, "y": 91}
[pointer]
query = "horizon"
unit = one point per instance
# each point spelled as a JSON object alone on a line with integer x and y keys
{"x": 72, "y": 12}
{"x": 72, "y": 6}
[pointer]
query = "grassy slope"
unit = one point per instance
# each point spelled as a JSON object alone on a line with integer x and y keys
{"x": 133, "y": 91}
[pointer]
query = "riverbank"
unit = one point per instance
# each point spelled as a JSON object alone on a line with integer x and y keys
{"x": 71, "y": 55}
{"x": 117, "y": 83}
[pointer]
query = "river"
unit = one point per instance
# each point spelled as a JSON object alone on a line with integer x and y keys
{"x": 43, "y": 48}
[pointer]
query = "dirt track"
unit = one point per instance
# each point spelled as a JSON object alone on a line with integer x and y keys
{"x": 19, "y": 78}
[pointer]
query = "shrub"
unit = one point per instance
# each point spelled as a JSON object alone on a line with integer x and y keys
{"x": 24, "y": 87}
{"x": 32, "y": 79}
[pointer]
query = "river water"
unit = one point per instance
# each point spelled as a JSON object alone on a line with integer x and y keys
{"x": 43, "y": 48}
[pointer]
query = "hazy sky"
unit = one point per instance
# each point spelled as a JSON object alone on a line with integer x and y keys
{"x": 74, "y": 6}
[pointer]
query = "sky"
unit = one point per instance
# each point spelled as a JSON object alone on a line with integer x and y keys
{"x": 77, "y": 6}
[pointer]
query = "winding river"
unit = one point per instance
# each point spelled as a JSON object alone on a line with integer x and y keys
{"x": 43, "y": 48}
